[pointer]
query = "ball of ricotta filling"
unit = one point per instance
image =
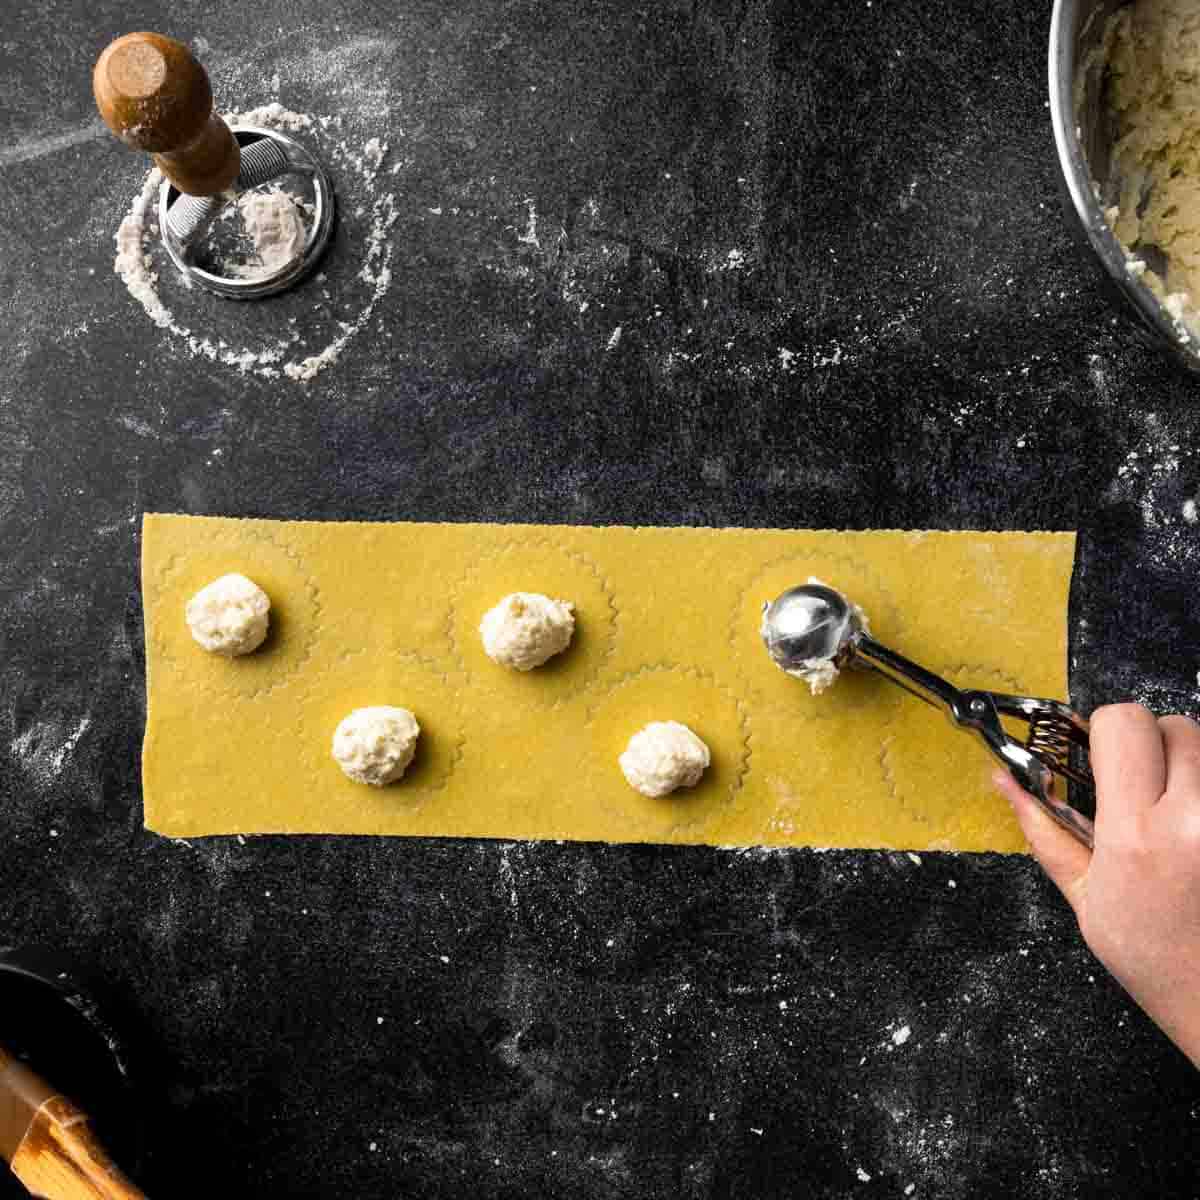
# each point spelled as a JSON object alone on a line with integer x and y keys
{"x": 527, "y": 628}
{"x": 230, "y": 616}
{"x": 375, "y": 745}
{"x": 663, "y": 756}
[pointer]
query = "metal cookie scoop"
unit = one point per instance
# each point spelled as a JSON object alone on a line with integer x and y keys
{"x": 814, "y": 623}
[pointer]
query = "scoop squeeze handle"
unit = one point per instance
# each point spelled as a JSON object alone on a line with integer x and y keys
{"x": 813, "y": 623}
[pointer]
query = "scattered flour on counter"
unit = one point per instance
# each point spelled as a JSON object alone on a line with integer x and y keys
{"x": 372, "y": 158}
{"x": 133, "y": 262}
{"x": 377, "y": 272}
{"x": 270, "y": 116}
{"x": 530, "y": 236}
{"x": 43, "y": 747}
{"x": 68, "y": 746}
{"x": 833, "y": 358}
{"x": 1147, "y": 475}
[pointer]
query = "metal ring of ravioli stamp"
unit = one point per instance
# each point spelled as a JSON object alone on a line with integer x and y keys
{"x": 295, "y": 618}
{"x": 267, "y": 155}
{"x": 363, "y": 679}
{"x": 856, "y": 579}
{"x": 667, "y": 692}
{"x": 558, "y": 572}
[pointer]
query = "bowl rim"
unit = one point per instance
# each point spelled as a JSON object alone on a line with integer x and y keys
{"x": 1073, "y": 167}
{"x": 64, "y": 983}
{"x": 61, "y": 980}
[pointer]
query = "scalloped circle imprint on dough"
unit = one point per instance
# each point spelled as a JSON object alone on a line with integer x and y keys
{"x": 667, "y": 693}
{"x": 930, "y": 764}
{"x": 397, "y": 604}
{"x": 324, "y": 799}
{"x": 557, "y": 572}
{"x": 854, "y": 690}
{"x": 294, "y": 618}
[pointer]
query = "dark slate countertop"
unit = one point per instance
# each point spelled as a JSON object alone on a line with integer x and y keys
{"x": 831, "y": 239}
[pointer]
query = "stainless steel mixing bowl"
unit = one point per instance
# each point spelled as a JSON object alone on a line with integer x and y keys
{"x": 1083, "y": 137}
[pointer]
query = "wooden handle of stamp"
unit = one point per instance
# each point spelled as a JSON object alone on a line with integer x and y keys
{"x": 48, "y": 1144}
{"x": 154, "y": 95}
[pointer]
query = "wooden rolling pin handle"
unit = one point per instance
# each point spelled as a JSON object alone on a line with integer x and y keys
{"x": 48, "y": 1144}
{"x": 60, "y": 1159}
{"x": 153, "y": 94}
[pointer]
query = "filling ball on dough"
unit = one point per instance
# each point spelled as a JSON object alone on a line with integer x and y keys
{"x": 375, "y": 745}
{"x": 229, "y": 616}
{"x": 525, "y": 629}
{"x": 662, "y": 757}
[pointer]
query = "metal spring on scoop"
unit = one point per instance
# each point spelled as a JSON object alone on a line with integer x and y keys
{"x": 1050, "y": 739}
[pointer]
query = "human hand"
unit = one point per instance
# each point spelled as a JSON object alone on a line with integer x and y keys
{"x": 1137, "y": 894}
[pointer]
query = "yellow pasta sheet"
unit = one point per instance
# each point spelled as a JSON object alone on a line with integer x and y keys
{"x": 667, "y": 629}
